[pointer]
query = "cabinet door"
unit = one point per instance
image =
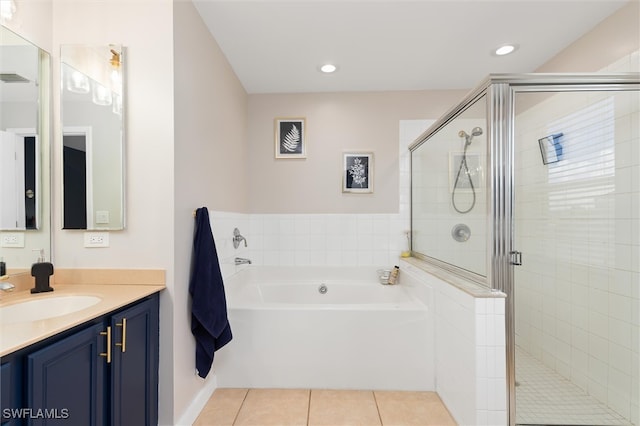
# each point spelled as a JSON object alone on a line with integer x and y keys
{"x": 134, "y": 375}
{"x": 10, "y": 392}
{"x": 66, "y": 380}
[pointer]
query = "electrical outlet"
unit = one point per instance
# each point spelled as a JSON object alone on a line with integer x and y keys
{"x": 96, "y": 239}
{"x": 12, "y": 240}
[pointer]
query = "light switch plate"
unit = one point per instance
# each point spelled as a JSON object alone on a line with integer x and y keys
{"x": 96, "y": 239}
{"x": 102, "y": 217}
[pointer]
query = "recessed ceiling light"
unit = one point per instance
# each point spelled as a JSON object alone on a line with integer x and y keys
{"x": 505, "y": 49}
{"x": 328, "y": 68}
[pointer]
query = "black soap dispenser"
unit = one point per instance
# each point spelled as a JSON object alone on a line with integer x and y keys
{"x": 42, "y": 271}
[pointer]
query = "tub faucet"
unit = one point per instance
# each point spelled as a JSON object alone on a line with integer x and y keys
{"x": 242, "y": 261}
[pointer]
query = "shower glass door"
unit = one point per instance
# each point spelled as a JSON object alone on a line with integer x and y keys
{"x": 577, "y": 224}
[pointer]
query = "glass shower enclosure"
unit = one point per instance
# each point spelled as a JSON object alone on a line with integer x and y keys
{"x": 531, "y": 186}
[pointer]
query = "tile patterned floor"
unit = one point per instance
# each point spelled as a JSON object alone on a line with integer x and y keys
{"x": 545, "y": 397}
{"x": 264, "y": 407}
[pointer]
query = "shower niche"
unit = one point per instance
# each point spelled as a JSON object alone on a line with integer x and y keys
{"x": 557, "y": 233}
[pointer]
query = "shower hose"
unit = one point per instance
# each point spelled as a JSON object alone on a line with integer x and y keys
{"x": 463, "y": 164}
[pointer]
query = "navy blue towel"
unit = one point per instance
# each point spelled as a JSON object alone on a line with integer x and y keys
{"x": 209, "y": 323}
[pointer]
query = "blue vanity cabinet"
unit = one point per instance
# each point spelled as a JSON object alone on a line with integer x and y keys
{"x": 103, "y": 372}
{"x": 134, "y": 367}
{"x": 67, "y": 378}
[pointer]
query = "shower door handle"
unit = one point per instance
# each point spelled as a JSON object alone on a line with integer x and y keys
{"x": 516, "y": 258}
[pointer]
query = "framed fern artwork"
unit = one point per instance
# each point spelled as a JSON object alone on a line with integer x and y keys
{"x": 357, "y": 172}
{"x": 290, "y": 141}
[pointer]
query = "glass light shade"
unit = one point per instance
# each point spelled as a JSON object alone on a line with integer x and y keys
{"x": 101, "y": 95}
{"x": 117, "y": 104}
{"x": 77, "y": 82}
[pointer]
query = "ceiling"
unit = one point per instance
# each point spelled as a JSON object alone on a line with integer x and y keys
{"x": 381, "y": 45}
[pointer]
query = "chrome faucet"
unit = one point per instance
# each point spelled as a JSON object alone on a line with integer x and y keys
{"x": 242, "y": 261}
{"x": 4, "y": 285}
{"x": 7, "y": 286}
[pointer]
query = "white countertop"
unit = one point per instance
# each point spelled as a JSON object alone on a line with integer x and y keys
{"x": 18, "y": 335}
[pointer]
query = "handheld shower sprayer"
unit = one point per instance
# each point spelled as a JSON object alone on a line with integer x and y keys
{"x": 477, "y": 131}
{"x": 464, "y": 169}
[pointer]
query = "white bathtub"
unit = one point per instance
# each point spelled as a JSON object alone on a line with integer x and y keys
{"x": 357, "y": 335}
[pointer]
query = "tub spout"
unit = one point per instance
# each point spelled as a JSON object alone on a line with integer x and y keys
{"x": 242, "y": 261}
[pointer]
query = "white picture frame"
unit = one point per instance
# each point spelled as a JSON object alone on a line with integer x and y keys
{"x": 290, "y": 138}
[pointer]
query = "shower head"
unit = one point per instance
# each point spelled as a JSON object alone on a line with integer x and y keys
{"x": 477, "y": 131}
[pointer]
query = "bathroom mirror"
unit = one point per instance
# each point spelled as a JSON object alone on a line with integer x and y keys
{"x": 25, "y": 87}
{"x": 92, "y": 136}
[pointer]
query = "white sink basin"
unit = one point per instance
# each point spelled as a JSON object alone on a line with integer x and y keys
{"x": 44, "y": 308}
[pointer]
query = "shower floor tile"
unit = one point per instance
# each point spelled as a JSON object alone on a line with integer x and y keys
{"x": 545, "y": 397}
{"x": 261, "y": 407}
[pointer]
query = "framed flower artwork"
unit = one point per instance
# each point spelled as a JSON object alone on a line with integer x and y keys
{"x": 357, "y": 172}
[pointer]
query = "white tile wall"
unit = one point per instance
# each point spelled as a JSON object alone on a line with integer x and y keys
{"x": 577, "y": 304}
{"x": 470, "y": 348}
{"x": 326, "y": 239}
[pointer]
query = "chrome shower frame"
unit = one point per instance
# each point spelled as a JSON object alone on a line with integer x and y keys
{"x": 502, "y": 255}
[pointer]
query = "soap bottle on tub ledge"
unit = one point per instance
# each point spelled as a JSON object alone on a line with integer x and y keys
{"x": 393, "y": 276}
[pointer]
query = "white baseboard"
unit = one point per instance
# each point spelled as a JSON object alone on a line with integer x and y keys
{"x": 198, "y": 403}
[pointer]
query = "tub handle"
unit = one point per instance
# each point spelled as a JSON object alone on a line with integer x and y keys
{"x": 237, "y": 238}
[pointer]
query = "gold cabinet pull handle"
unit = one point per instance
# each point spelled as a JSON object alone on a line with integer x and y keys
{"x": 108, "y": 353}
{"x": 123, "y": 345}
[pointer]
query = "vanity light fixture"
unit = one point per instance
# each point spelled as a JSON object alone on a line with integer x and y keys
{"x": 115, "y": 59}
{"x": 328, "y": 68}
{"x": 115, "y": 62}
{"x": 505, "y": 49}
